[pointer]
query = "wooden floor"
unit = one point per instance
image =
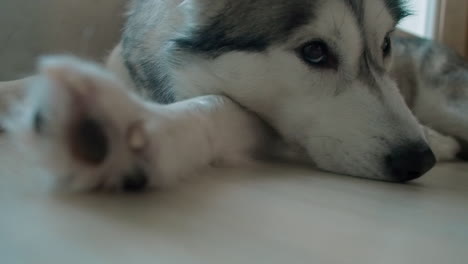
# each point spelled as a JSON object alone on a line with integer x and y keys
{"x": 267, "y": 214}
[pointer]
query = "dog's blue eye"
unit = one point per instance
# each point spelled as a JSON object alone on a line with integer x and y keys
{"x": 316, "y": 53}
{"x": 387, "y": 46}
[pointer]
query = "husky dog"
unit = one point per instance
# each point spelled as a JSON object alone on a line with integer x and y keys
{"x": 204, "y": 82}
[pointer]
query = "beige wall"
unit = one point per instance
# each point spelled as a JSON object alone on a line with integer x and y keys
{"x": 90, "y": 28}
{"x": 30, "y": 28}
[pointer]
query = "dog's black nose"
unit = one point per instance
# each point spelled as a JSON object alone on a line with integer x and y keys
{"x": 410, "y": 162}
{"x": 135, "y": 181}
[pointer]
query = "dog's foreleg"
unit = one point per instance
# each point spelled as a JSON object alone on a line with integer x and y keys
{"x": 205, "y": 130}
{"x": 93, "y": 133}
{"x": 444, "y": 147}
{"x": 434, "y": 81}
{"x": 447, "y": 118}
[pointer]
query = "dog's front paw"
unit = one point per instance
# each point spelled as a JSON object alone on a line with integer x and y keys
{"x": 11, "y": 95}
{"x": 90, "y": 131}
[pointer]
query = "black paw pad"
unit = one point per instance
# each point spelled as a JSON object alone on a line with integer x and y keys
{"x": 38, "y": 122}
{"x": 89, "y": 142}
{"x": 135, "y": 181}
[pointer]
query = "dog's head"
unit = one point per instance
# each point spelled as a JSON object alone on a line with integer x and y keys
{"x": 317, "y": 71}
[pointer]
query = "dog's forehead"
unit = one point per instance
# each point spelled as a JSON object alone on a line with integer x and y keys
{"x": 359, "y": 24}
{"x": 377, "y": 16}
{"x": 397, "y": 9}
{"x": 245, "y": 25}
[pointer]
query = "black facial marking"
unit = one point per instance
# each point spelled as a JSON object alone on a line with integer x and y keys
{"x": 89, "y": 142}
{"x": 239, "y": 27}
{"x": 211, "y": 39}
{"x": 135, "y": 181}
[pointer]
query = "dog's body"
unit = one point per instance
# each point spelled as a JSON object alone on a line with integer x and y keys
{"x": 246, "y": 75}
{"x": 433, "y": 80}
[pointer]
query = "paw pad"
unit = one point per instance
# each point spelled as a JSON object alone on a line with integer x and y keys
{"x": 89, "y": 142}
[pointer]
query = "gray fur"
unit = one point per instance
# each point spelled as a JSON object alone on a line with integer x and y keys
{"x": 423, "y": 67}
{"x": 227, "y": 30}
{"x": 143, "y": 59}
{"x": 430, "y": 66}
{"x": 223, "y": 32}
